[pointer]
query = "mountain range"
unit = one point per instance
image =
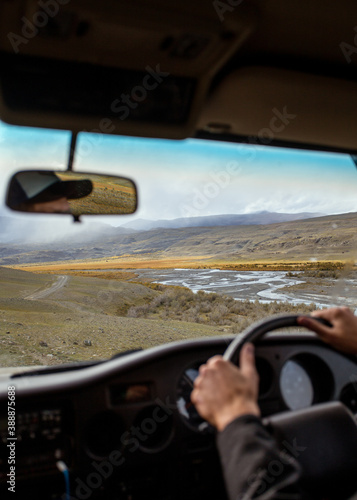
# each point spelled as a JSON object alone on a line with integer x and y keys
{"x": 218, "y": 220}
{"x": 327, "y": 237}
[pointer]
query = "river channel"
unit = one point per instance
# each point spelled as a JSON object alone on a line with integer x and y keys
{"x": 265, "y": 286}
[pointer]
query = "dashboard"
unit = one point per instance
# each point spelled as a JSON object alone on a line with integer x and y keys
{"x": 126, "y": 428}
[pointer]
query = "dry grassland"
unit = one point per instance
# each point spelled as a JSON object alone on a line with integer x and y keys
{"x": 103, "y": 303}
{"x": 202, "y": 262}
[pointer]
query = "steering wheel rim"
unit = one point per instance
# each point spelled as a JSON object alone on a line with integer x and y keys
{"x": 321, "y": 477}
{"x": 256, "y": 331}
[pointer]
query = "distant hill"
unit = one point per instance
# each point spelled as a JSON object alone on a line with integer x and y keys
{"x": 45, "y": 229}
{"x": 218, "y": 220}
{"x": 320, "y": 237}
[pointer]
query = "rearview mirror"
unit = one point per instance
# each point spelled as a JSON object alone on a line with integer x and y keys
{"x": 68, "y": 192}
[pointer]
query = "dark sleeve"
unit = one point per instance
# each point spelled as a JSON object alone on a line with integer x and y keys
{"x": 253, "y": 467}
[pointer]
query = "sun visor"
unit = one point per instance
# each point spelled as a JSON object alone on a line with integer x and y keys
{"x": 268, "y": 104}
{"x": 126, "y": 69}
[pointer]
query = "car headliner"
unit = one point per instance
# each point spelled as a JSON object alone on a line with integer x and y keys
{"x": 248, "y": 58}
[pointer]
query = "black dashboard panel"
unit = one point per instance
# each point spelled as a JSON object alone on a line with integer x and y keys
{"x": 131, "y": 417}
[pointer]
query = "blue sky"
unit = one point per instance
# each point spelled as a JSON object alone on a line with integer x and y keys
{"x": 193, "y": 178}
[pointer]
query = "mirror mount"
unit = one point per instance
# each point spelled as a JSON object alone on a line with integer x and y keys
{"x": 72, "y": 150}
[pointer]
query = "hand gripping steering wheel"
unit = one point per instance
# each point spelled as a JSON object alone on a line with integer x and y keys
{"x": 327, "y": 432}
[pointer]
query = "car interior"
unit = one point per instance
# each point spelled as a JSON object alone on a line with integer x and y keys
{"x": 244, "y": 73}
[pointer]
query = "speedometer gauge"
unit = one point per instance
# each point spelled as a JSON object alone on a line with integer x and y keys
{"x": 296, "y": 386}
{"x": 185, "y": 407}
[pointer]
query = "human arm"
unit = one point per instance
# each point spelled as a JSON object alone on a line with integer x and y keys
{"x": 253, "y": 467}
{"x": 342, "y": 334}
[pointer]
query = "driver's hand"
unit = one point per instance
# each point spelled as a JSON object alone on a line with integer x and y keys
{"x": 343, "y": 333}
{"x": 223, "y": 392}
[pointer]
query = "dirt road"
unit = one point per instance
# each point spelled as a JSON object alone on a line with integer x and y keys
{"x": 41, "y": 294}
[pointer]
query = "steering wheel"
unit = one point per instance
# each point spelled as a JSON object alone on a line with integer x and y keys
{"x": 256, "y": 331}
{"x": 327, "y": 432}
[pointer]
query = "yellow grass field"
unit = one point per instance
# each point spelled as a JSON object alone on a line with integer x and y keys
{"x": 197, "y": 262}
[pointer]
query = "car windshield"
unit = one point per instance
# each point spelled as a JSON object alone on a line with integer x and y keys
{"x": 225, "y": 234}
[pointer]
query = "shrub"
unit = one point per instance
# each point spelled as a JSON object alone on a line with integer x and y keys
{"x": 211, "y": 308}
